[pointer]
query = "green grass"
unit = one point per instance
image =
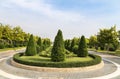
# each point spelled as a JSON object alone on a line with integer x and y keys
{"x": 48, "y": 59}
{"x": 6, "y": 49}
{"x": 116, "y": 53}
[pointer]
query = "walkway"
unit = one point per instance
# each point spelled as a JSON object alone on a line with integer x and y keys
{"x": 108, "y": 71}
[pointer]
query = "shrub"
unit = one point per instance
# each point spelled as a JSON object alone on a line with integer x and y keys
{"x": 96, "y": 60}
{"x": 2, "y": 46}
{"x": 31, "y": 47}
{"x": 75, "y": 49}
{"x": 39, "y": 45}
{"x": 82, "y": 48}
{"x": 58, "y": 53}
{"x": 111, "y": 47}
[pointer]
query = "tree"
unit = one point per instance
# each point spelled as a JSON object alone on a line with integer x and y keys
{"x": 31, "y": 47}
{"x": 18, "y": 36}
{"x": 67, "y": 44}
{"x": 39, "y": 42}
{"x": 58, "y": 50}
{"x": 39, "y": 45}
{"x": 93, "y": 41}
{"x": 74, "y": 44}
{"x": 82, "y": 48}
{"x": 46, "y": 43}
{"x": 106, "y": 37}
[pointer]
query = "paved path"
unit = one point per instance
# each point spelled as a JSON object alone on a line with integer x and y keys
{"x": 108, "y": 71}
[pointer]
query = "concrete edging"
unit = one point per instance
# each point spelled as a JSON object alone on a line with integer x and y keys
{"x": 48, "y": 69}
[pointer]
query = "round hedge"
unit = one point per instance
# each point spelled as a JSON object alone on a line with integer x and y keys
{"x": 96, "y": 60}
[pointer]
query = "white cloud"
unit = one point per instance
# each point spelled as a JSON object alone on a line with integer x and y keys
{"x": 43, "y": 19}
{"x": 48, "y": 10}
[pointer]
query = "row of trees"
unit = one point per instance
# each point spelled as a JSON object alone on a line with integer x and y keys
{"x": 106, "y": 39}
{"x": 34, "y": 47}
{"x": 16, "y": 37}
{"x": 12, "y": 37}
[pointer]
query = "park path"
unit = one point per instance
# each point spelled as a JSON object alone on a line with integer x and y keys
{"x": 17, "y": 73}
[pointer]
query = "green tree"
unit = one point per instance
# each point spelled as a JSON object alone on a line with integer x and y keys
{"x": 93, "y": 41}
{"x": 58, "y": 50}
{"x": 31, "y": 47}
{"x": 18, "y": 36}
{"x": 67, "y": 44}
{"x": 106, "y": 37}
{"x": 82, "y": 48}
{"x": 46, "y": 43}
{"x": 39, "y": 42}
{"x": 74, "y": 44}
{"x": 39, "y": 45}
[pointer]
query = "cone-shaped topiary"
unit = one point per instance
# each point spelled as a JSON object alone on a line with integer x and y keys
{"x": 39, "y": 42}
{"x": 39, "y": 45}
{"x": 82, "y": 48}
{"x": 58, "y": 53}
{"x": 31, "y": 47}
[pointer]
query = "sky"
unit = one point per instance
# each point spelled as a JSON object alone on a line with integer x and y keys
{"x": 73, "y": 17}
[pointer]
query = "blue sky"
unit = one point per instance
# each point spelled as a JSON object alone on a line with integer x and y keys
{"x": 73, "y": 17}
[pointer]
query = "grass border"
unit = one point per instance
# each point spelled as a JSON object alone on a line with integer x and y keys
{"x": 96, "y": 60}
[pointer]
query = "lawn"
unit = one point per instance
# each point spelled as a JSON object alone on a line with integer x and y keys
{"x": 48, "y": 59}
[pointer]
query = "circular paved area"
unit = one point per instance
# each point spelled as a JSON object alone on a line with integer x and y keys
{"x": 108, "y": 68}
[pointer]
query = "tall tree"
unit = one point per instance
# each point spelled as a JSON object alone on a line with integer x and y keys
{"x": 58, "y": 50}
{"x": 31, "y": 47}
{"x": 67, "y": 44}
{"x": 39, "y": 45}
{"x": 107, "y": 38}
{"x": 93, "y": 41}
{"x": 82, "y": 48}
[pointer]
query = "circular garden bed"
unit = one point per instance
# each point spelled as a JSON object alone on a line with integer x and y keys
{"x": 70, "y": 62}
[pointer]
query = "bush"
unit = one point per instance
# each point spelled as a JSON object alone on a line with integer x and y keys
{"x": 58, "y": 50}
{"x": 31, "y": 47}
{"x": 2, "y": 46}
{"x": 75, "y": 49}
{"x": 111, "y": 47}
{"x": 82, "y": 48}
{"x": 96, "y": 60}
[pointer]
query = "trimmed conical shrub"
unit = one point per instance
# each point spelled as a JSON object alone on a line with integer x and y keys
{"x": 31, "y": 47}
{"x": 58, "y": 53}
{"x": 82, "y": 48}
{"x": 39, "y": 45}
{"x": 39, "y": 42}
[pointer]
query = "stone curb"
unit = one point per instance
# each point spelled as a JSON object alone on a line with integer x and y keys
{"x": 48, "y": 69}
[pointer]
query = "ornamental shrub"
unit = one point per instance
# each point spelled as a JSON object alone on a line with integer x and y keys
{"x": 82, "y": 48}
{"x": 96, "y": 60}
{"x": 39, "y": 45}
{"x": 31, "y": 47}
{"x": 58, "y": 50}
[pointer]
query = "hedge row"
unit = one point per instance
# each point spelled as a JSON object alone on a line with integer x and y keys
{"x": 96, "y": 60}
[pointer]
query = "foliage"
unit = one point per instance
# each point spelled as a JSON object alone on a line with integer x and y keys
{"x": 46, "y": 52}
{"x": 75, "y": 42}
{"x": 82, "y": 48}
{"x": 93, "y": 41}
{"x": 45, "y": 62}
{"x": 31, "y": 47}
{"x": 13, "y": 37}
{"x": 106, "y": 37}
{"x": 46, "y": 43}
{"x": 39, "y": 45}
{"x": 67, "y": 44}
{"x": 75, "y": 49}
{"x": 58, "y": 53}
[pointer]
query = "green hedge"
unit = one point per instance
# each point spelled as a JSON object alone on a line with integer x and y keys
{"x": 96, "y": 60}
